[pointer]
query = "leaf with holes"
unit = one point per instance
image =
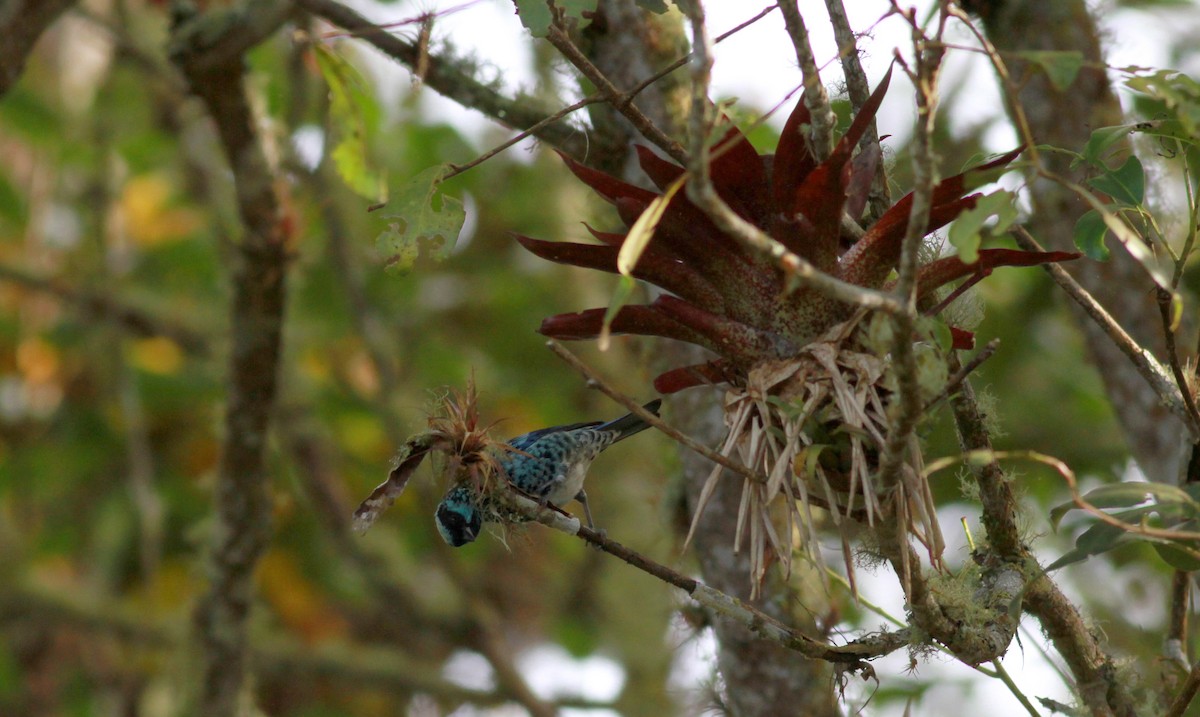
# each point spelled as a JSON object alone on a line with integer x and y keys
{"x": 424, "y": 218}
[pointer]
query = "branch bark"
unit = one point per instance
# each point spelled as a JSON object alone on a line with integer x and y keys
{"x": 242, "y": 497}
{"x": 22, "y": 22}
{"x": 444, "y": 77}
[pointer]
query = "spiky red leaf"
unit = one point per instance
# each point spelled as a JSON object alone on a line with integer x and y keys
{"x": 943, "y": 271}
{"x": 869, "y": 261}
{"x": 660, "y": 171}
{"x": 655, "y": 266}
{"x": 607, "y": 185}
{"x": 635, "y": 319}
{"x": 677, "y": 379}
{"x": 732, "y": 339}
{"x": 793, "y": 159}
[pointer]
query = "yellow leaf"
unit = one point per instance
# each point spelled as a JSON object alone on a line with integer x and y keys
{"x": 149, "y": 218}
{"x": 643, "y": 229}
{"x": 37, "y": 360}
{"x": 157, "y": 355}
{"x": 298, "y": 602}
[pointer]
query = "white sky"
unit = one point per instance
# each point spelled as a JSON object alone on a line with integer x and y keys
{"x": 758, "y": 66}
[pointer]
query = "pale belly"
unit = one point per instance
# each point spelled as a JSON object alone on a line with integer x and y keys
{"x": 570, "y": 485}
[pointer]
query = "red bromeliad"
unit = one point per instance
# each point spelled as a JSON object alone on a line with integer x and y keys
{"x": 736, "y": 302}
{"x": 810, "y": 377}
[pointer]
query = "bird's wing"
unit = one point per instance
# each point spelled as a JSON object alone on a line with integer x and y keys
{"x": 523, "y": 442}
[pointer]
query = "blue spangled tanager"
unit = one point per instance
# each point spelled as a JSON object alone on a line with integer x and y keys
{"x": 548, "y": 464}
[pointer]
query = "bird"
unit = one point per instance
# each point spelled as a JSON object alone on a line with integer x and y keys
{"x": 549, "y": 465}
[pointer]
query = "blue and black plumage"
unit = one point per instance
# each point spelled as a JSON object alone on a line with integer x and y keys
{"x": 548, "y": 464}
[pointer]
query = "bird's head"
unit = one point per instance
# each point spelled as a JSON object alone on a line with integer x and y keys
{"x": 458, "y": 519}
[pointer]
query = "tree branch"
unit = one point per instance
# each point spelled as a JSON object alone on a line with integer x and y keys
{"x": 444, "y": 77}
{"x": 94, "y": 305}
{"x": 822, "y": 118}
{"x": 242, "y": 500}
{"x": 22, "y": 22}
{"x": 851, "y": 654}
{"x": 1147, "y": 366}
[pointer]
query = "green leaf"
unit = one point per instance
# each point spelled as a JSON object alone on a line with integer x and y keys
{"x": 1090, "y": 231}
{"x": 423, "y": 215}
{"x": 1101, "y": 140}
{"x": 965, "y": 232}
{"x": 1168, "y": 499}
{"x": 657, "y": 7}
{"x": 1180, "y": 94}
{"x": 1181, "y": 556}
{"x": 1060, "y": 66}
{"x": 354, "y": 117}
{"x": 535, "y": 16}
{"x": 1126, "y": 185}
{"x": 1099, "y": 538}
{"x": 620, "y": 298}
{"x": 576, "y": 9}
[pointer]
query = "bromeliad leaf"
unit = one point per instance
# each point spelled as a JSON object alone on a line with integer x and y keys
{"x": 423, "y": 215}
{"x": 354, "y": 115}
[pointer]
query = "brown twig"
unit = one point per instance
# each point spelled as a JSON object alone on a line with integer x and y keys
{"x": 1145, "y": 362}
{"x": 622, "y": 102}
{"x": 701, "y": 192}
{"x": 443, "y": 76}
{"x": 592, "y": 99}
{"x": 94, "y": 305}
{"x": 908, "y": 408}
{"x": 859, "y": 91}
{"x": 22, "y": 22}
{"x": 963, "y": 371}
{"x": 851, "y": 654}
{"x": 1187, "y": 693}
{"x": 1165, "y": 305}
{"x": 822, "y": 118}
{"x": 596, "y": 381}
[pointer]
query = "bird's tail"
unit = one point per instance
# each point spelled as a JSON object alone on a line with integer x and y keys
{"x": 630, "y": 424}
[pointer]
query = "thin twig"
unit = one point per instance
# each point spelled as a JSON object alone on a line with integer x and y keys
{"x": 1165, "y": 306}
{"x": 1187, "y": 693}
{"x": 620, "y": 101}
{"x": 1145, "y": 362}
{"x": 701, "y": 192}
{"x": 595, "y": 98}
{"x": 761, "y": 624}
{"x": 596, "y": 381}
{"x": 444, "y": 76}
{"x": 859, "y": 91}
{"x": 821, "y": 116}
{"x": 960, "y": 375}
{"x": 908, "y": 408}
